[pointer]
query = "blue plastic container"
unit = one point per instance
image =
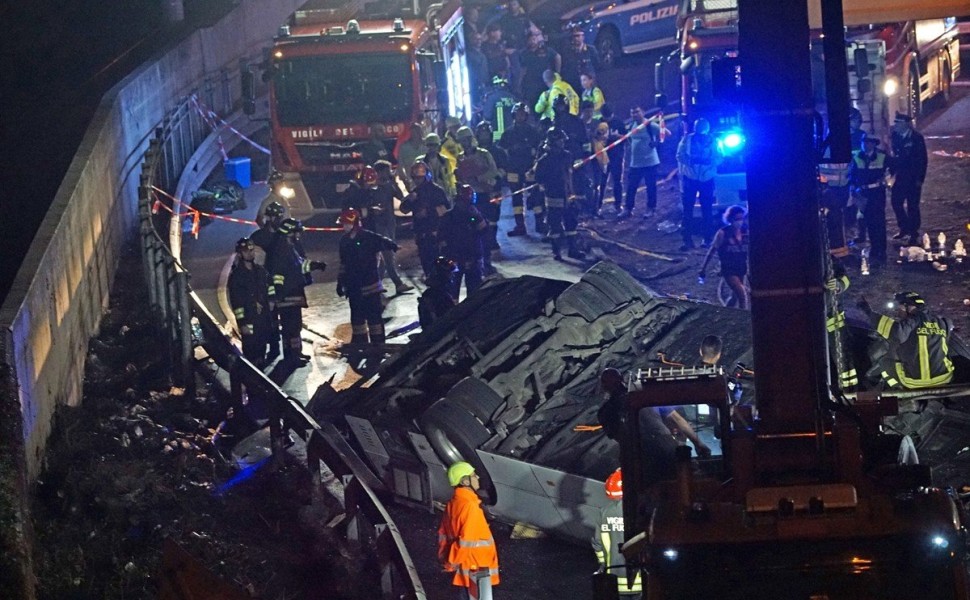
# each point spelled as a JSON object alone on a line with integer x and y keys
{"x": 238, "y": 170}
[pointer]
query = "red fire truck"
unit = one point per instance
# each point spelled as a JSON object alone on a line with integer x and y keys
{"x": 894, "y": 67}
{"x": 335, "y": 70}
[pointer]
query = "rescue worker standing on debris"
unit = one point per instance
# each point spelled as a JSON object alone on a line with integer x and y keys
{"x": 609, "y": 537}
{"x": 291, "y": 274}
{"x": 476, "y": 167}
{"x": 461, "y": 234}
{"x": 466, "y": 547}
{"x": 909, "y": 167}
{"x": 918, "y": 343}
{"x": 553, "y": 172}
{"x": 521, "y": 141}
{"x": 697, "y": 160}
{"x": 359, "y": 280}
{"x": 437, "y": 299}
{"x": 867, "y": 177}
{"x": 251, "y": 296}
{"x": 427, "y": 202}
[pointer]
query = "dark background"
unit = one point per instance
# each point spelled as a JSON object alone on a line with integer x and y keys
{"x": 57, "y": 59}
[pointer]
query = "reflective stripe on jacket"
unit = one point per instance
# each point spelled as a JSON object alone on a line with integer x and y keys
{"x": 465, "y": 542}
{"x": 920, "y": 342}
{"x": 606, "y": 544}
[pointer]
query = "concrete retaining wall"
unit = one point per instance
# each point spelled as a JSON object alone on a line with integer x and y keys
{"x": 61, "y": 290}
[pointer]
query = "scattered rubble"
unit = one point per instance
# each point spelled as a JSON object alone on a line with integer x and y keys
{"x": 141, "y": 461}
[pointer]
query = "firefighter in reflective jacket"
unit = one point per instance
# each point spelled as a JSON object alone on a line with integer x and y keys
{"x": 251, "y": 295}
{"x": 836, "y": 284}
{"x": 553, "y": 171}
{"x": 359, "y": 279}
{"x": 608, "y": 539}
{"x": 466, "y": 547}
{"x": 291, "y": 274}
{"x": 521, "y": 141}
{"x": 918, "y": 343}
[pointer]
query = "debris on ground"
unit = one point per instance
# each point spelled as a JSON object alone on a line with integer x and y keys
{"x": 141, "y": 463}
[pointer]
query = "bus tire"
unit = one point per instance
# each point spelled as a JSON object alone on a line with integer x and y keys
{"x": 455, "y": 434}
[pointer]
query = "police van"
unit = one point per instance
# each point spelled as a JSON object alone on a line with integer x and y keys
{"x": 625, "y": 26}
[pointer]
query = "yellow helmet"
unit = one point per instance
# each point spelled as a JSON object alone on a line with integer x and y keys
{"x": 457, "y": 471}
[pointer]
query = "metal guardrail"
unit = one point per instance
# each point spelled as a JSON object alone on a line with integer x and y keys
{"x": 186, "y": 323}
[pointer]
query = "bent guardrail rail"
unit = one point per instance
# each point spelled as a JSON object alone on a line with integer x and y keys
{"x": 186, "y": 324}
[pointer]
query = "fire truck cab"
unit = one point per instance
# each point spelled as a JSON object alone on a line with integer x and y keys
{"x": 337, "y": 72}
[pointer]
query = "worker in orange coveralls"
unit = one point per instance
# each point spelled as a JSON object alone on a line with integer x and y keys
{"x": 466, "y": 547}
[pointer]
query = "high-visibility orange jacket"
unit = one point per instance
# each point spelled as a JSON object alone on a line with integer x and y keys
{"x": 465, "y": 543}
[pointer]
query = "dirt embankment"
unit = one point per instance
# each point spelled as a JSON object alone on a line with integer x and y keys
{"x": 137, "y": 464}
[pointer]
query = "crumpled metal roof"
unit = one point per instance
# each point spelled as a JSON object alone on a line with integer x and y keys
{"x": 534, "y": 349}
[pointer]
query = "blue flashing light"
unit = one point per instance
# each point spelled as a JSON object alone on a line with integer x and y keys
{"x": 671, "y": 554}
{"x": 940, "y": 542}
{"x": 730, "y": 142}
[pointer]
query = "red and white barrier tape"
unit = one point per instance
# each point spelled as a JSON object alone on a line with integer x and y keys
{"x": 210, "y": 114}
{"x": 196, "y": 214}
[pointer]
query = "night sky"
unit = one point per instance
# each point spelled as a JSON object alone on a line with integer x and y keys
{"x": 57, "y": 59}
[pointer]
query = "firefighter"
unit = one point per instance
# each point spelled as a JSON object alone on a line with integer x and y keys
{"x": 918, "y": 343}
{"x": 867, "y": 178}
{"x": 441, "y": 168}
{"x": 909, "y": 166}
{"x": 578, "y": 145}
{"x": 273, "y": 215}
{"x": 385, "y": 223}
{"x": 609, "y": 537}
{"x": 359, "y": 280}
{"x": 409, "y": 151}
{"x": 466, "y": 547}
{"x": 461, "y": 235}
{"x": 839, "y": 340}
{"x": 697, "y": 160}
{"x": 437, "y": 299}
{"x": 553, "y": 172}
{"x": 521, "y": 141}
{"x": 360, "y": 193}
{"x": 264, "y": 238}
{"x": 498, "y": 104}
{"x": 252, "y": 299}
{"x": 427, "y": 202}
{"x": 476, "y": 167}
{"x": 556, "y": 88}
{"x": 291, "y": 274}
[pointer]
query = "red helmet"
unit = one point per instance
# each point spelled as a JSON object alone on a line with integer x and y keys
{"x": 614, "y": 486}
{"x": 367, "y": 177}
{"x": 350, "y": 216}
{"x": 466, "y": 194}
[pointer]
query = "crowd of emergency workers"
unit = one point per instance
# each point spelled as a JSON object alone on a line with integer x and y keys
{"x": 544, "y": 132}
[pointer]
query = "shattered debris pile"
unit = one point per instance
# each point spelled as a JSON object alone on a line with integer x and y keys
{"x": 137, "y": 464}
